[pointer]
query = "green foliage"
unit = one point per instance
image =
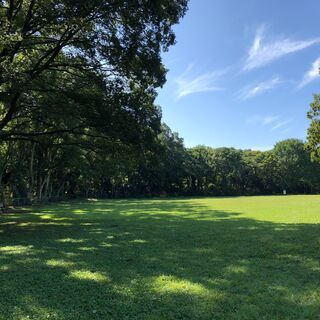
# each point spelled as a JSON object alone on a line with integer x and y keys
{"x": 78, "y": 82}
{"x": 295, "y": 167}
{"x": 91, "y": 166}
{"x": 313, "y": 138}
{"x": 46, "y": 45}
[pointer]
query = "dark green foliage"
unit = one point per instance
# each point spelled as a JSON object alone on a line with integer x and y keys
{"x": 48, "y": 41}
{"x": 78, "y": 82}
{"x": 313, "y": 139}
{"x": 88, "y": 166}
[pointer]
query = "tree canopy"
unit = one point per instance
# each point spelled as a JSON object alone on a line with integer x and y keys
{"x": 56, "y": 46}
{"x": 313, "y": 138}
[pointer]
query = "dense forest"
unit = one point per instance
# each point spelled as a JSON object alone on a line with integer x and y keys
{"x": 53, "y": 170}
{"x": 78, "y": 118}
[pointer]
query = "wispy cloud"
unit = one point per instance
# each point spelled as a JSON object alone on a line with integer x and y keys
{"x": 311, "y": 75}
{"x": 269, "y": 119}
{"x": 205, "y": 82}
{"x": 254, "y": 90}
{"x": 261, "y": 54}
{"x": 262, "y": 120}
{"x": 271, "y": 122}
{"x": 281, "y": 124}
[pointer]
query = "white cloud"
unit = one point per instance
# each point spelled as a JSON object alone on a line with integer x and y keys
{"x": 193, "y": 84}
{"x": 260, "y": 120}
{"x": 261, "y": 53}
{"x": 272, "y": 122}
{"x": 254, "y": 90}
{"x": 281, "y": 124}
{"x": 311, "y": 75}
{"x": 269, "y": 119}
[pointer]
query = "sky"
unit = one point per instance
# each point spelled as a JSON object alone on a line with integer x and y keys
{"x": 242, "y": 73}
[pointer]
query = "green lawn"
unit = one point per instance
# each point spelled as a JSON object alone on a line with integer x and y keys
{"x": 210, "y": 258}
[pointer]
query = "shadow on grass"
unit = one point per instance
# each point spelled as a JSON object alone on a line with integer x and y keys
{"x": 166, "y": 259}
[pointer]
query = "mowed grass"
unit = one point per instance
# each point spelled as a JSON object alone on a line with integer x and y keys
{"x": 209, "y": 258}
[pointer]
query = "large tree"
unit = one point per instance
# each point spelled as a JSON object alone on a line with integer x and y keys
{"x": 296, "y": 171}
{"x": 119, "y": 39}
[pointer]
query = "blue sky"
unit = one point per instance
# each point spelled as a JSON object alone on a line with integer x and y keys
{"x": 242, "y": 73}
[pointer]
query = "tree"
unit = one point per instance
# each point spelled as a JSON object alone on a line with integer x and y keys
{"x": 119, "y": 40}
{"x": 295, "y": 167}
{"x": 200, "y": 169}
{"x": 262, "y": 172}
{"x": 313, "y": 137}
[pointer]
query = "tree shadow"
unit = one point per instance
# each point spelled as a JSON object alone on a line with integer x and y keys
{"x": 160, "y": 259}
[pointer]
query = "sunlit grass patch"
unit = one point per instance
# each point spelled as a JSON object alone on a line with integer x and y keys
{"x": 171, "y": 284}
{"x": 59, "y": 263}
{"x": 88, "y": 275}
{"x": 139, "y": 241}
{"x": 70, "y": 240}
{"x": 15, "y": 250}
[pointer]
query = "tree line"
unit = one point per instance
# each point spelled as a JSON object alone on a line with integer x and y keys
{"x": 78, "y": 83}
{"x": 47, "y": 169}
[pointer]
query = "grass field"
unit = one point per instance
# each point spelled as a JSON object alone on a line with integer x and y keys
{"x": 210, "y": 258}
